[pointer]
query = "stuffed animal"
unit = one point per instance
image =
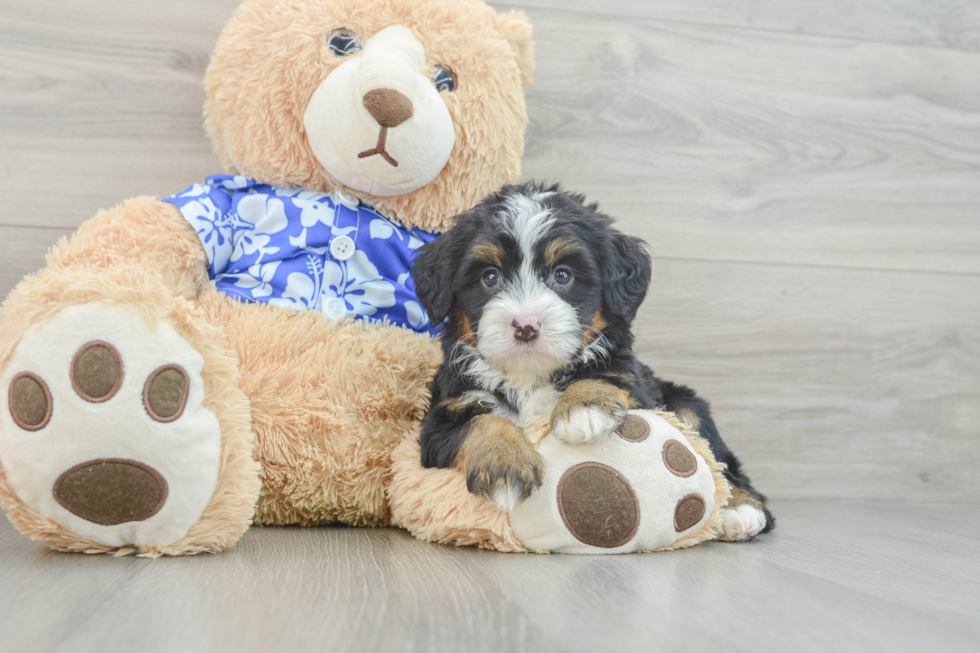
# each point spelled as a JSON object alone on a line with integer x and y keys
{"x": 182, "y": 367}
{"x": 652, "y": 486}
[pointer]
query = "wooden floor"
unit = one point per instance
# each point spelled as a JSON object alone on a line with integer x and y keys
{"x": 807, "y": 173}
{"x": 834, "y": 577}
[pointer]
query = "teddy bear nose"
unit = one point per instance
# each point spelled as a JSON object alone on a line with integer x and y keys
{"x": 388, "y": 106}
{"x": 110, "y": 491}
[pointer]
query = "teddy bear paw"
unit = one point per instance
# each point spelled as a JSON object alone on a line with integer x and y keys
{"x": 586, "y": 424}
{"x": 742, "y": 523}
{"x": 104, "y": 429}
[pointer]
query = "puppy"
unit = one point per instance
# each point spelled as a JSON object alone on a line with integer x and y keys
{"x": 537, "y": 292}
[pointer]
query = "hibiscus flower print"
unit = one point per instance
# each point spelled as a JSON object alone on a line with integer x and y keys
{"x": 315, "y": 208}
{"x": 358, "y": 283}
{"x": 258, "y": 279}
{"x": 212, "y": 228}
{"x": 267, "y": 218}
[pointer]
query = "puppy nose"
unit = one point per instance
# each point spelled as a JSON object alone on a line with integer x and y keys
{"x": 525, "y": 328}
{"x": 389, "y": 107}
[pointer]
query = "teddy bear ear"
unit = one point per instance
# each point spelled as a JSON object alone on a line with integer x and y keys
{"x": 516, "y": 28}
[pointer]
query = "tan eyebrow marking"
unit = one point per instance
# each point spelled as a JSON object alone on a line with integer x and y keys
{"x": 559, "y": 249}
{"x": 488, "y": 253}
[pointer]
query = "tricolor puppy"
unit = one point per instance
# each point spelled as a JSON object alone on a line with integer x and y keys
{"x": 540, "y": 291}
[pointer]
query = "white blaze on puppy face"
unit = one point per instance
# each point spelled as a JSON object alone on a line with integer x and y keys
{"x": 341, "y": 128}
{"x": 526, "y": 295}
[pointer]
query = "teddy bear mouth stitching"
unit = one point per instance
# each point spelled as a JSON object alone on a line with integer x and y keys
{"x": 380, "y": 148}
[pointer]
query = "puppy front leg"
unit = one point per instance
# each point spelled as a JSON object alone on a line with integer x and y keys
{"x": 588, "y": 410}
{"x": 499, "y": 463}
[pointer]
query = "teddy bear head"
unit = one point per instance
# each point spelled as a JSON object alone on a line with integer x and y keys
{"x": 415, "y": 106}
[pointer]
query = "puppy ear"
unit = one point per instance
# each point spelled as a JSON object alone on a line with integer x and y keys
{"x": 516, "y": 28}
{"x": 433, "y": 272}
{"x": 628, "y": 275}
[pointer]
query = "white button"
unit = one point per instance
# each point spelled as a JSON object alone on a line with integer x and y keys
{"x": 347, "y": 200}
{"x": 336, "y": 308}
{"x": 342, "y": 248}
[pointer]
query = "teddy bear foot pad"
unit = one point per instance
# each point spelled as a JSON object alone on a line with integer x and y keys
{"x": 642, "y": 488}
{"x": 104, "y": 429}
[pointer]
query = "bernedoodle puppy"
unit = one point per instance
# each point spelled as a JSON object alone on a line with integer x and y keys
{"x": 537, "y": 292}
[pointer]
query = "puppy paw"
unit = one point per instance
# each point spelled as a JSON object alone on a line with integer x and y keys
{"x": 500, "y": 464}
{"x": 586, "y": 424}
{"x": 587, "y": 411}
{"x": 742, "y": 523}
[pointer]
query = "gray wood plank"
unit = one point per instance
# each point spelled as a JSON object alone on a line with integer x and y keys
{"x": 22, "y": 251}
{"x": 296, "y": 589}
{"x": 713, "y": 143}
{"x": 828, "y": 382}
{"x": 727, "y": 144}
{"x": 951, "y": 24}
{"x": 102, "y": 107}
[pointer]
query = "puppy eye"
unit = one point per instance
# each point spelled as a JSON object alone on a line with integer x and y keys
{"x": 491, "y": 278}
{"x": 563, "y": 276}
{"x": 444, "y": 79}
{"x": 343, "y": 42}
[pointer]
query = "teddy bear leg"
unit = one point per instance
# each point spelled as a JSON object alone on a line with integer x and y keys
{"x": 123, "y": 429}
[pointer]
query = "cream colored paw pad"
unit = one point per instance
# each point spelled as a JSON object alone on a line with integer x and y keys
{"x": 105, "y": 431}
{"x": 641, "y": 491}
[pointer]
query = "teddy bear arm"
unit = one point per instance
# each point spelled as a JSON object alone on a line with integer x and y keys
{"x": 142, "y": 234}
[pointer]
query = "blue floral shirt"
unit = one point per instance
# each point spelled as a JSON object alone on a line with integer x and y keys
{"x": 305, "y": 250}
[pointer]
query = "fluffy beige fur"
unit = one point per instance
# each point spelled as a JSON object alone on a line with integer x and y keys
{"x": 434, "y": 504}
{"x": 272, "y": 55}
{"x": 330, "y": 401}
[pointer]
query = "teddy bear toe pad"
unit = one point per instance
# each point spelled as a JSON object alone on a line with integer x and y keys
{"x": 105, "y": 431}
{"x": 640, "y": 490}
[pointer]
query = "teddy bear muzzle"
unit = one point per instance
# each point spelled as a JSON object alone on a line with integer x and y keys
{"x": 111, "y": 491}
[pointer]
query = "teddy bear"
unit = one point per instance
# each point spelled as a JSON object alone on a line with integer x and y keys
{"x": 251, "y": 348}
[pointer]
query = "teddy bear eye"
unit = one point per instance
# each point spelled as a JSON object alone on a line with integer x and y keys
{"x": 343, "y": 42}
{"x": 444, "y": 79}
